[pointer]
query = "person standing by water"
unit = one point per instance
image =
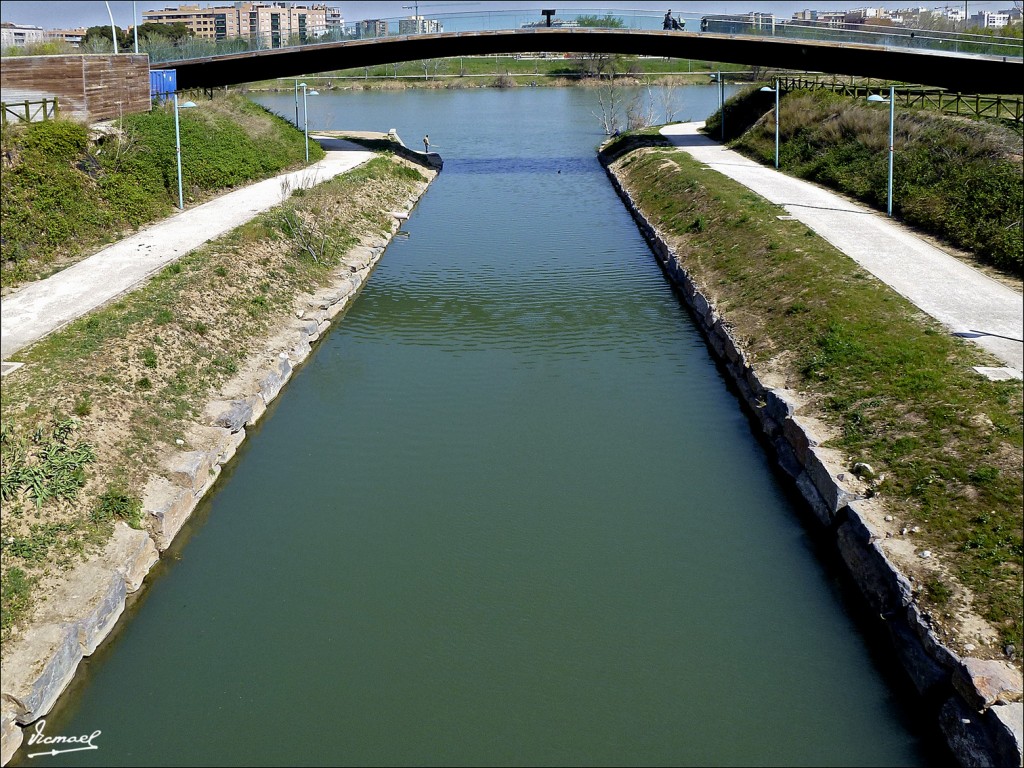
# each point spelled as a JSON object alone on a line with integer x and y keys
{"x": 426, "y": 143}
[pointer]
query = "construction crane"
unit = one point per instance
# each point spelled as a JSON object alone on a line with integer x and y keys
{"x": 415, "y": 7}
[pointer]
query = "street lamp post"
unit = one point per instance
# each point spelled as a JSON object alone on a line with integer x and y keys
{"x": 296, "y": 103}
{"x": 892, "y": 148}
{"x": 113, "y": 29}
{"x": 769, "y": 90}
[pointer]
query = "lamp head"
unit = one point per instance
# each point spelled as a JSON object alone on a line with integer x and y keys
{"x": 876, "y": 98}
{"x": 766, "y": 89}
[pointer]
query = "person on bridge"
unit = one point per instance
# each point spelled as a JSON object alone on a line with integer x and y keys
{"x": 426, "y": 143}
{"x": 670, "y": 22}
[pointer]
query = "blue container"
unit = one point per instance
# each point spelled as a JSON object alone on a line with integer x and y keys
{"x": 162, "y": 83}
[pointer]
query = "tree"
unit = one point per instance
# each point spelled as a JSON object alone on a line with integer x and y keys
{"x": 597, "y": 64}
{"x": 175, "y": 31}
{"x": 607, "y": 21}
{"x": 99, "y": 39}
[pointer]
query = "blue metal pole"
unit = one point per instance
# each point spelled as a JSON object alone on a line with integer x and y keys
{"x": 892, "y": 148}
{"x": 296, "y": 83}
{"x": 776, "y": 123}
{"x": 177, "y": 152}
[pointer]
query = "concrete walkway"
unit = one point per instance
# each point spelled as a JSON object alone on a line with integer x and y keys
{"x": 966, "y": 301}
{"x": 36, "y": 310}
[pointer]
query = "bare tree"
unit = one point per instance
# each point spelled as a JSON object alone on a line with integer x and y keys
{"x": 609, "y": 98}
{"x": 669, "y": 103}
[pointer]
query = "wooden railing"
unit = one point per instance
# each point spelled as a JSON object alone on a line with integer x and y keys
{"x": 28, "y": 111}
{"x": 1003, "y": 107}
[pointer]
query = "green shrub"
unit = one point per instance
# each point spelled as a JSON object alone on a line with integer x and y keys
{"x": 118, "y": 504}
{"x": 955, "y": 178}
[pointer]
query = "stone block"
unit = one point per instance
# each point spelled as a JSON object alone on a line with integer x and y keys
{"x": 230, "y": 446}
{"x": 189, "y": 469}
{"x": 802, "y": 435}
{"x": 300, "y": 351}
{"x": 229, "y": 414}
{"x": 272, "y": 383}
{"x": 1006, "y": 725}
{"x": 700, "y": 305}
{"x": 169, "y": 506}
{"x": 781, "y": 404}
{"x": 89, "y": 598}
{"x": 259, "y": 407}
{"x": 929, "y": 641}
{"x": 814, "y": 500}
{"x": 966, "y": 735}
{"x": 314, "y": 315}
{"x": 924, "y": 672}
{"x": 984, "y": 682}
{"x": 786, "y": 458}
{"x": 37, "y": 667}
{"x": 885, "y": 588}
{"x": 835, "y": 495}
{"x": 132, "y": 553}
{"x": 11, "y": 736}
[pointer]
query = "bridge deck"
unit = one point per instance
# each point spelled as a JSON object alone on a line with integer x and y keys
{"x": 955, "y": 72}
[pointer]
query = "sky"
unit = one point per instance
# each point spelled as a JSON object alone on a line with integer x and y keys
{"x": 87, "y": 13}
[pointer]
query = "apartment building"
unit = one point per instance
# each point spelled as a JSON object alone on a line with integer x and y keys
{"x": 20, "y": 35}
{"x": 418, "y": 25}
{"x": 274, "y": 24}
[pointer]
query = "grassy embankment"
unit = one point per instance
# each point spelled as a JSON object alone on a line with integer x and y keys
{"x": 63, "y": 195}
{"x": 896, "y": 389}
{"x": 83, "y": 423}
{"x": 956, "y": 178}
{"x": 507, "y": 71}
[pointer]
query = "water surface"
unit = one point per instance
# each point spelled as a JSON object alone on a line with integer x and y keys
{"x": 507, "y": 513}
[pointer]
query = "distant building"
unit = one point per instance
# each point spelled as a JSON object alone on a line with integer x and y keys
{"x": 989, "y": 19}
{"x": 335, "y": 21}
{"x": 275, "y": 24}
{"x": 418, "y": 25}
{"x": 20, "y": 35}
{"x": 71, "y": 36}
{"x": 372, "y": 28}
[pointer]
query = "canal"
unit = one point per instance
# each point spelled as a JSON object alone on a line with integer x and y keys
{"x": 507, "y": 513}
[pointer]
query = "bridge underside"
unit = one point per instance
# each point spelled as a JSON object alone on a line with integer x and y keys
{"x": 964, "y": 74}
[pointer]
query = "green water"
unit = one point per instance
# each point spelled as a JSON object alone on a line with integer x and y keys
{"x": 507, "y": 513}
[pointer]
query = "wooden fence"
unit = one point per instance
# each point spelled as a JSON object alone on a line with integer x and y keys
{"x": 1003, "y": 107}
{"x": 28, "y": 111}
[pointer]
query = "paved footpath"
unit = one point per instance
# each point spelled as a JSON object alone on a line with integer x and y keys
{"x": 40, "y": 308}
{"x": 966, "y": 301}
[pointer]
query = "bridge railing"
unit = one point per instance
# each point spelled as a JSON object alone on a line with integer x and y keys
{"x": 749, "y": 24}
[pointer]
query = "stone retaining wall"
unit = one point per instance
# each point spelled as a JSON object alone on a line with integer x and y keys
{"x": 977, "y": 702}
{"x": 39, "y": 664}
